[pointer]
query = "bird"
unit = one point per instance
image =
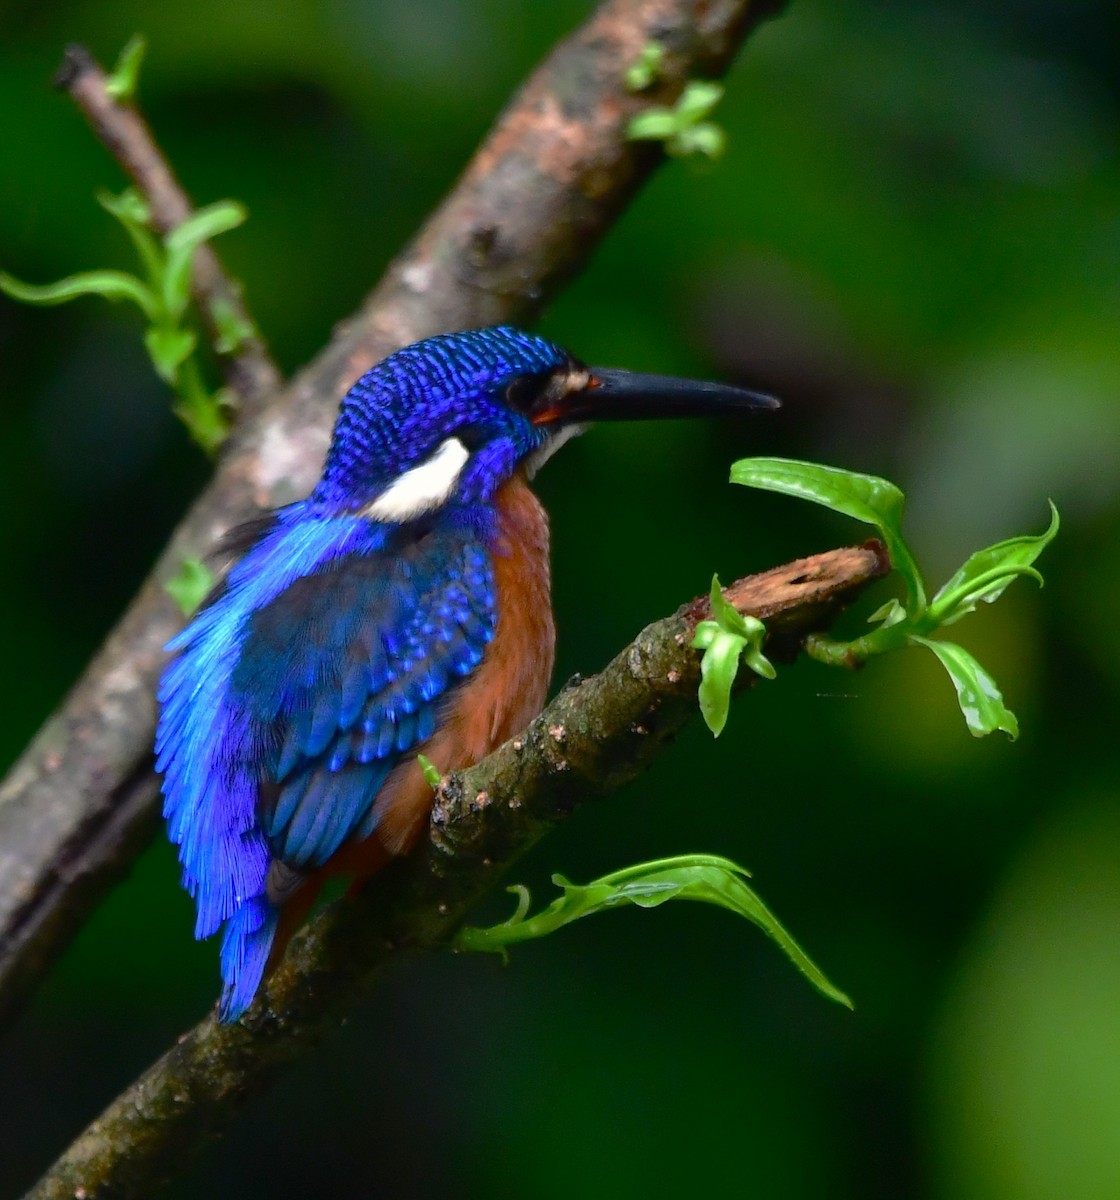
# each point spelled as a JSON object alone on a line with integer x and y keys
{"x": 402, "y": 609}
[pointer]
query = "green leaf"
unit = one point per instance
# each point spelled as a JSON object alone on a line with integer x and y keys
{"x": 724, "y": 640}
{"x": 205, "y": 416}
{"x": 121, "y": 83}
{"x": 182, "y": 242}
{"x": 888, "y": 614}
{"x": 977, "y": 694}
{"x": 986, "y": 574}
{"x": 233, "y": 328}
{"x": 168, "y": 349}
{"x": 207, "y": 223}
{"x": 432, "y": 774}
{"x": 705, "y": 138}
{"x": 718, "y": 669}
{"x": 191, "y": 586}
{"x": 682, "y": 128}
{"x": 697, "y": 100}
{"x": 130, "y": 208}
{"x": 728, "y": 617}
{"x": 758, "y": 662}
{"x": 112, "y": 285}
{"x": 702, "y": 877}
{"x": 867, "y": 498}
{"x": 654, "y": 125}
{"x": 645, "y": 68}
{"x": 133, "y": 213}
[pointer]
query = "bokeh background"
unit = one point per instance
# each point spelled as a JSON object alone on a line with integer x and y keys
{"x": 914, "y": 239}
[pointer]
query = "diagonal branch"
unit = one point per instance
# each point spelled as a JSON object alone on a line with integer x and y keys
{"x": 591, "y": 739}
{"x": 547, "y": 182}
{"x": 249, "y": 370}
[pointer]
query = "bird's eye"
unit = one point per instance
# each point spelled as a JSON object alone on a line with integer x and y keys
{"x": 525, "y": 391}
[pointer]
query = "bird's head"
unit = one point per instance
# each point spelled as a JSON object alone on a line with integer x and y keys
{"x": 449, "y": 419}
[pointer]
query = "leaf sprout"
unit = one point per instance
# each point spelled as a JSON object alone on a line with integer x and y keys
{"x": 983, "y": 578}
{"x": 703, "y": 877}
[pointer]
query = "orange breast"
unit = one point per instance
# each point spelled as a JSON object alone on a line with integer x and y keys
{"x": 497, "y": 700}
{"x": 508, "y": 688}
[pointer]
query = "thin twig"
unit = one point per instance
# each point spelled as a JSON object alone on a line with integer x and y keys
{"x": 248, "y": 368}
{"x": 593, "y": 738}
{"x": 528, "y": 212}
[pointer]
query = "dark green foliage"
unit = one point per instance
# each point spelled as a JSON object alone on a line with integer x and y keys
{"x": 911, "y": 238}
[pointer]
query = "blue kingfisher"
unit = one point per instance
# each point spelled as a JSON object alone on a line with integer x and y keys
{"x": 403, "y": 608}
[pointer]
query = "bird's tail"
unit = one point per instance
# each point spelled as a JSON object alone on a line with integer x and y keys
{"x": 246, "y": 946}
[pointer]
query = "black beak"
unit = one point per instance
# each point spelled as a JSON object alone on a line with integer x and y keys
{"x": 613, "y": 395}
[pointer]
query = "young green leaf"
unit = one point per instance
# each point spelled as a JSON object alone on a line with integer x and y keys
{"x": 986, "y": 574}
{"x": 168, "y": 349}
{"x": 656, "y": 124}
{"x": 645, "y": 68}
{"x": 182, "y": 242}
{"x": 191, "y": 586}
{"x": 977, "y": 694}
{"x": 130, "y": 208}
{"x": 233, "y": 328}
{"x": 697, "y": 100}
{"x": 133, "y": 212}
{"x": 204, "y": 415}
{"x": 682, "y": 128}
{"x": 207, "y": 223}
{"x": 121, "y": 83}
{"x": 718, "y": 669}
{"x": 724, "y": 640}
{"x": 706, "y": 138}
{"x": 112, "y": 285}
{"x": 983, "y": 578}
{"x": 887, "y": 614}
{"x": 867, "y": 498}
{"x": 707, "y": 878}
{"x": 432, "y": 774}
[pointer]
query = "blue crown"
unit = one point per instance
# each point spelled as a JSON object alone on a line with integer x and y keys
{"x": 401, "y": 412}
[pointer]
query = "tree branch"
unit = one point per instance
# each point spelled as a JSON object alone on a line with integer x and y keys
{"x": 249, "y": 370}
{"x": 527, "y": 213}
{"x": 591, "y": 739}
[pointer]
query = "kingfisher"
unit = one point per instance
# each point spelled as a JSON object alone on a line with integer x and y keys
{"x": 402, "y": 609}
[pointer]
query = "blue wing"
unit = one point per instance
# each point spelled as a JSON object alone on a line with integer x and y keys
{"x": 344, "y": 673}
{"x": 295, "y": 692}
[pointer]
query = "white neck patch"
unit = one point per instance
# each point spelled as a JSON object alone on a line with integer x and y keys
{"x": 423, "y": 488}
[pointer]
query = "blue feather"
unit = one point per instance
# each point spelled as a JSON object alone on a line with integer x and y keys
{"x": 425, "y": 722}
{"x": 386, "y": 738}
{"x": 324, "y": 724}
{"x": 291, "y": 754}
{"x": 355, "y": 693}
{"x": 291, "y": 794}
{"x": 246, "y": 946}
{"x": 406, "y": 732}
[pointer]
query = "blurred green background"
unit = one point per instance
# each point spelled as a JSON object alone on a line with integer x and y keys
{"x": 914, "y": 239}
